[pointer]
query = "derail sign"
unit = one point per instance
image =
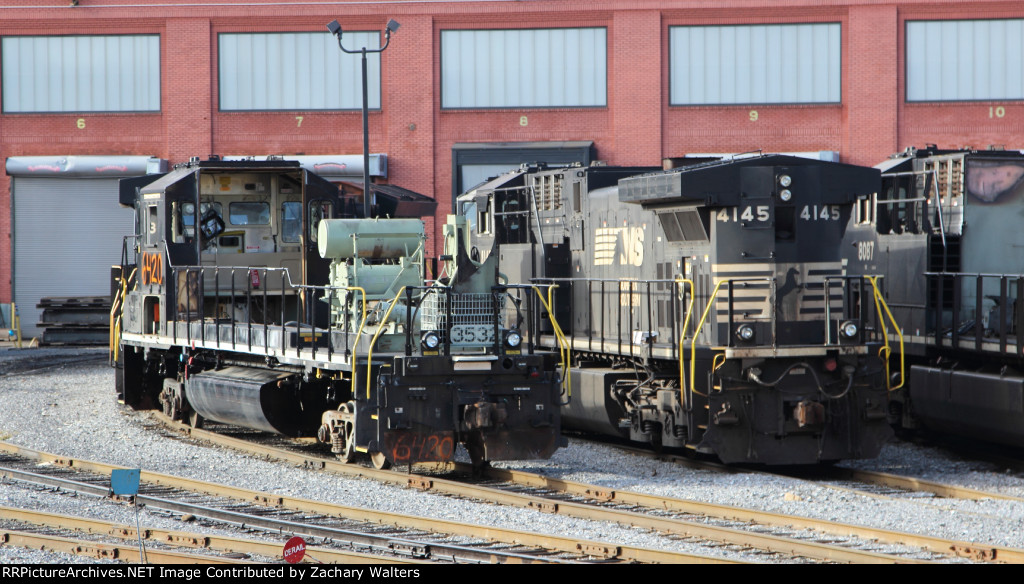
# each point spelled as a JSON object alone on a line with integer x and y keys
{"x": 294, "y": 550}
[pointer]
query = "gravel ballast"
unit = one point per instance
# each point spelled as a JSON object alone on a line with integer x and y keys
{"x": 71, "y": 411}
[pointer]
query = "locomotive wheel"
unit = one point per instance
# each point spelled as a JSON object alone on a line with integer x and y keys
{"x": 348, "y": 455}
{"x": 195, "y": 420}
{"x": 475, "y": 447}
{"x": 380, "y": 462}
{"x": 168, "y": 408}
{"x": 171, "y": 407}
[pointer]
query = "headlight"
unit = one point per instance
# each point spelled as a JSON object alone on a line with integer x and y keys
{"x": 785, "y": 194}
{"x": 513, "y": 338}
{"x": 745, "y": 332}
{"x": 785, "y": 180}
{"x": 849, "y": 329}
{"x": 430, "y": 340}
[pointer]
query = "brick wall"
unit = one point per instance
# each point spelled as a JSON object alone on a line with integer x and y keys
{"x": 869, "y": 85}
{"x": 637, "y": 127}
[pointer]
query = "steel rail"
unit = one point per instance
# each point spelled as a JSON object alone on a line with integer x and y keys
{"x": 602, "y": 550}
{"x": 977, "y": 551}
{"x": 218, "y": 543}
{"x": 389, "y": 546}
{"x": 921, "y": 485}
{"x": 974, "y": 550}
{"x": 93, "y": 549}
{"x": 772, "y": 543}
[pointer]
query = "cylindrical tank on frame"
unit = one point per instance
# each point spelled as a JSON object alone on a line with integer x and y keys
{"x": 369, "y": 238}
{"x": 248, "y": 397}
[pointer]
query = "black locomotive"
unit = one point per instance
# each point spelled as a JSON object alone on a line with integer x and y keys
{"x": 705, "y": 307}
{"x": 945, "y": 229}
{"x": 246, "y": 297}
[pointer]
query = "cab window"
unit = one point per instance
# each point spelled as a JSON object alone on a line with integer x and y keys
{"x": 152, "y": 225}
{"x": 249, "y": 213}
{"x": 291, "y": 222}
{"x": 188, "y": 214}
{"x": 318, "y": 210}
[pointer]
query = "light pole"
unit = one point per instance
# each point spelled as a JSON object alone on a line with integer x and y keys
{"x": 335, "y": 29}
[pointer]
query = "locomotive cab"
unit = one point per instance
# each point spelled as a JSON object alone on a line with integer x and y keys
{"x": 238, "y": 225}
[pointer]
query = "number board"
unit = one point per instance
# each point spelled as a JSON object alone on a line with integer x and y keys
{"x": 472, "y": 334}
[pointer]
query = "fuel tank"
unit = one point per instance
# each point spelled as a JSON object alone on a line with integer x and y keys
{"x": 592, "y": 409}
{"x": 247, "y": 396}
{"x": 985, "y": 406}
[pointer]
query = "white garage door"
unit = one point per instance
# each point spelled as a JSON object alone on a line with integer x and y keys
{"x": 67, "y": 235}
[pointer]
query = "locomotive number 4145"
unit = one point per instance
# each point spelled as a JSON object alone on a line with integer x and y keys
{"x": 822, "y": 213}
{"x": 760, "y": 213}
{"x": 763, "y": 213}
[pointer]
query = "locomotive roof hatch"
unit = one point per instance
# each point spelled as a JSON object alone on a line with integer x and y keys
{"x": 718, "y": 184}
{"x": 507, "y": 179}
{"x": 395, "y": 201}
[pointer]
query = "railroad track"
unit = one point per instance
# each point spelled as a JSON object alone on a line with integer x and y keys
{"x": 391, "y": 536}
{"x": 550, "y": 495}
{"x": 771, "y": 533}
{"x": 892, "y": 484}
{"x": 30, "y": 536}
{"x": 865, "y": 482}
{"x": 180, "y": 503}
{"x": 880, "y": 485}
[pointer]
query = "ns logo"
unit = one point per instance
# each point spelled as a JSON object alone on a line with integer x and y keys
{"x": 622, "y": 246}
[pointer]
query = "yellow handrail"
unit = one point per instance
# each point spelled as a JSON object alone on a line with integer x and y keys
{"x": 879, "y": 304}
{"x": 115, "y": 322}
{"x": 376, "y": 335}
{"x": 355, "y": 345}
{"x": 114, "y": 338}
{"x": 715, "y": 363}
{"x": 16, "y": 323}
{"x": 563, "y": 348}
{"x": 693, "y": 345}
{"x": 563, "y": 345}
{"x": 682, "y": 336}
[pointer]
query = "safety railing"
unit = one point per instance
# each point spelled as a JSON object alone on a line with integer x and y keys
{"x": 996, "y": 326}
{"x": 269, "y": 303}
{"x": 730, "y": 285}
{"x": 447, "y": 316}
{"x": 243, "y": 309}
{"x": 882, "y": 311}
{"x": 623, "y": 314}
{"x": 125, "y": 281}
{"x": 860, "y": 299}
{"x": 654, "y": 305}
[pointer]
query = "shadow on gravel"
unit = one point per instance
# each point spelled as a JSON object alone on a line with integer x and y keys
{"x": 24, "y": 361}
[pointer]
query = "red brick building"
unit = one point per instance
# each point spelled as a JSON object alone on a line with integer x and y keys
{"x": 861, "y": 78}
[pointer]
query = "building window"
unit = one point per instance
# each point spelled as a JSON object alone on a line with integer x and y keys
{"x": 555, "y": 67}
{"x": 296, "y": 71}
{"x": 964, "y": 60}
{"x": 757, "y": 64}
{"x": 53, "y": 74}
